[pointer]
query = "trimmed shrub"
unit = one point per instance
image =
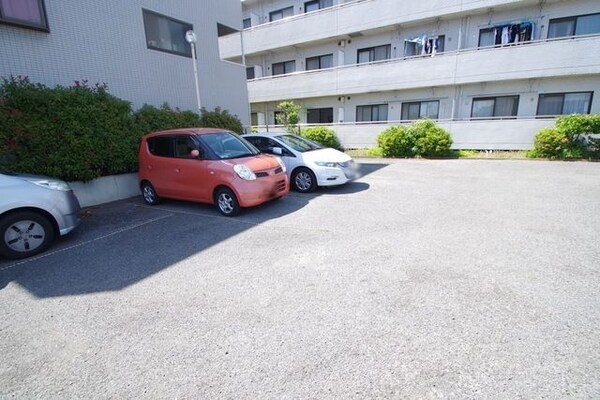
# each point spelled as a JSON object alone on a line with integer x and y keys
{"x": 150, "y": 119}
{"x": 323, "y": 135}
{"x": 396, "y": 141}
{"x": 570, "y": 138}
{"x": 73, "y": 133}
{"x": 220, "y": 119}
{"x": 549, "y": 142}
{"x": 430, "y": 140}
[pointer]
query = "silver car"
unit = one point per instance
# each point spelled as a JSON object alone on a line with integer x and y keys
{"x": 33, "y": 211}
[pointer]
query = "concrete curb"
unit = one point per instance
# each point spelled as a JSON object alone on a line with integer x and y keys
{"x": 106, "y": 189}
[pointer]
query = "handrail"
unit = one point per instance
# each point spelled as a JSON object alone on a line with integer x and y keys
{"x": 441, "y": 54}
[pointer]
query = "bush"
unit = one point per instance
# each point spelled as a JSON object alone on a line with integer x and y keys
{"x": 430, "y": 140}
{"x": 422, "y": 138}
{"x": 323, "y": 135}
{"x": 220, "y": 119}
{"x": 396, "y": 141}
{"x": 82, "y": 132}
{"x": 73, "y": 133}
{"x": 150, "y": 119}
{"x": 550, "y": 143}
{"x": 571, "y": 138}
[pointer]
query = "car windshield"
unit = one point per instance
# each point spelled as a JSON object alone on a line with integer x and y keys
{"x": 299, "y": 143}
{"x": 228, "y": 145}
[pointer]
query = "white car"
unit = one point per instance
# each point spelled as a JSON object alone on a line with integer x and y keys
{"x": 308, "y": 163}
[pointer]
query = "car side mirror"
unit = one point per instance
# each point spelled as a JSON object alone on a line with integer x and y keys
{"x": 195, "y": 153}
{"x": 277, "y": 151}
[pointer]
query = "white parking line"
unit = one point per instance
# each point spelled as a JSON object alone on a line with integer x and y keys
{"x": 200, "y": 214}
{"x": 86, "y": 242}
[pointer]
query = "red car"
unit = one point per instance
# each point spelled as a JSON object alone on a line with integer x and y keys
{"x": 208, "y": 165}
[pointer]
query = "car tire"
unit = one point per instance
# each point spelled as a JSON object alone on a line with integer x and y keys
{"x": 25, "y": 234}
{"x": 149, "y": 194}
{"x": 227, "y": 203}
{"x": 304, "y": 180}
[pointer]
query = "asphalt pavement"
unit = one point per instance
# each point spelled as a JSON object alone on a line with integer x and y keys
{"x": 423, "y": 279}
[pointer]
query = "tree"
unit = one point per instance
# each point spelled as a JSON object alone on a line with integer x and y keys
{"x": 289, "y": 116}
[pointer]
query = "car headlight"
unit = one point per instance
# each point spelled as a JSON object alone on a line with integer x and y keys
{"x": 326, "y": 164}
{"x": 281, "y": 164}
{"x": 51, "y": 184}
{"x": 244, "y": 172}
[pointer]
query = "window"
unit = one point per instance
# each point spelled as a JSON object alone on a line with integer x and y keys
{"x": 160, "y": 146}
{"x": 376, "y": 112}
{"x": 506, "y": 34}
{"x": 564, "y": 103}
{"x": 317, "y": 5}
{"x": 319, "y": 115}
{"x": 433, "y": 45}
{"x": 264, "y": 144}
{"x": 184, "y": 146}
{"x": 166, "y": 34}
{"x": 26, "y": 13}
{"x": 247, "y": 23}
{"x": 254, "y": 119}
{"x": 319, "y": 62}
{"x": 372, "y": 54}
{"x": 250, "y": 73}
{"x": 574, "y": 26}
{"x": 286, "y": 67}
{"x": 280, "y": 14}
{"x": 420, "y": 109}
{"x": 487, "y": 107}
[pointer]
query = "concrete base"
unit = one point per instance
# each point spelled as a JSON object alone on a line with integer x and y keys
{"x": 106, "y": 189}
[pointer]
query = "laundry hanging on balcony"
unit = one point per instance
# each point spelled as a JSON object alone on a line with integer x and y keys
{"x": 423, "y": 45}
{"x": 506, "y": 34}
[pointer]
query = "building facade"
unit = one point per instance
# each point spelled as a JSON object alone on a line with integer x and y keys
{"x": 136, "y": 47}
{"x": 493, "y": 72}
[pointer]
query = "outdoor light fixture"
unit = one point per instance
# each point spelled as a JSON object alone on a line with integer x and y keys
{"x": 191, "y": 38}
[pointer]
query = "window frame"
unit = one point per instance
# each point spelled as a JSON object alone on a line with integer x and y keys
{"x": 573, "y": 18}
{"x": 516, "y": 106}
{"x": 371, "y": 51}
{"x": 372, "y": 106}
{"x": 318, "y": 58}
{"x": 187, "y": 53}
{"x": 281, "y": 10}
{"x": 420, "y": 103}
{"x": 284, "y": 63}
{"x": 318, "y": 2}
{"x": 562, "y": 108}
{"x": 42, "y": 26}
{"x": 320, "y": 112}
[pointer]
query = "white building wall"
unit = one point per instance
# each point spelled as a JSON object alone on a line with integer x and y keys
{"x": 104, "y": 42}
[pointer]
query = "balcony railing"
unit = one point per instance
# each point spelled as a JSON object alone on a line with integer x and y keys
{"x": 528, "y": 60}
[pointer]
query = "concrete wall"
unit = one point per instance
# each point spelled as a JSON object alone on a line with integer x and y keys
{"x": 105, "y": 42}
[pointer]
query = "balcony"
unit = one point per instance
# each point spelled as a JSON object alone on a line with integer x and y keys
{"x": 547, "y": 58}
{"x": 348, "y": 18}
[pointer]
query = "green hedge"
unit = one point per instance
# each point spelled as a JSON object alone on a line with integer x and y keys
{"x": 323, "y": 135}
{"x": 422, "y": 138}
{"x": 80, "y": 132}
{"x": 570, "y": 138}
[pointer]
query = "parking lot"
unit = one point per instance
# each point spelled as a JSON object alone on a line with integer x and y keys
{"x": 423, "y": 279}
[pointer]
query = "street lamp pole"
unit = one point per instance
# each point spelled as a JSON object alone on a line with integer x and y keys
{"x": 191, "y": 38}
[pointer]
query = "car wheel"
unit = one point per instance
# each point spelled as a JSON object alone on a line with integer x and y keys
{"x": 304, "y": 180}
{"x": 25, "y": 234}
{"x": 227, "y": 203}
{"x": 150, "y": 196}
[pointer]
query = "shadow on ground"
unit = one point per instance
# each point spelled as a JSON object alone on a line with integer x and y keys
{"x": 122, "y": 243}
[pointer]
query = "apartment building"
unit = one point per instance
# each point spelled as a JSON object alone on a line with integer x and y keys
{"x": 137, "y": 47}
{"x": 492, "y": 72}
